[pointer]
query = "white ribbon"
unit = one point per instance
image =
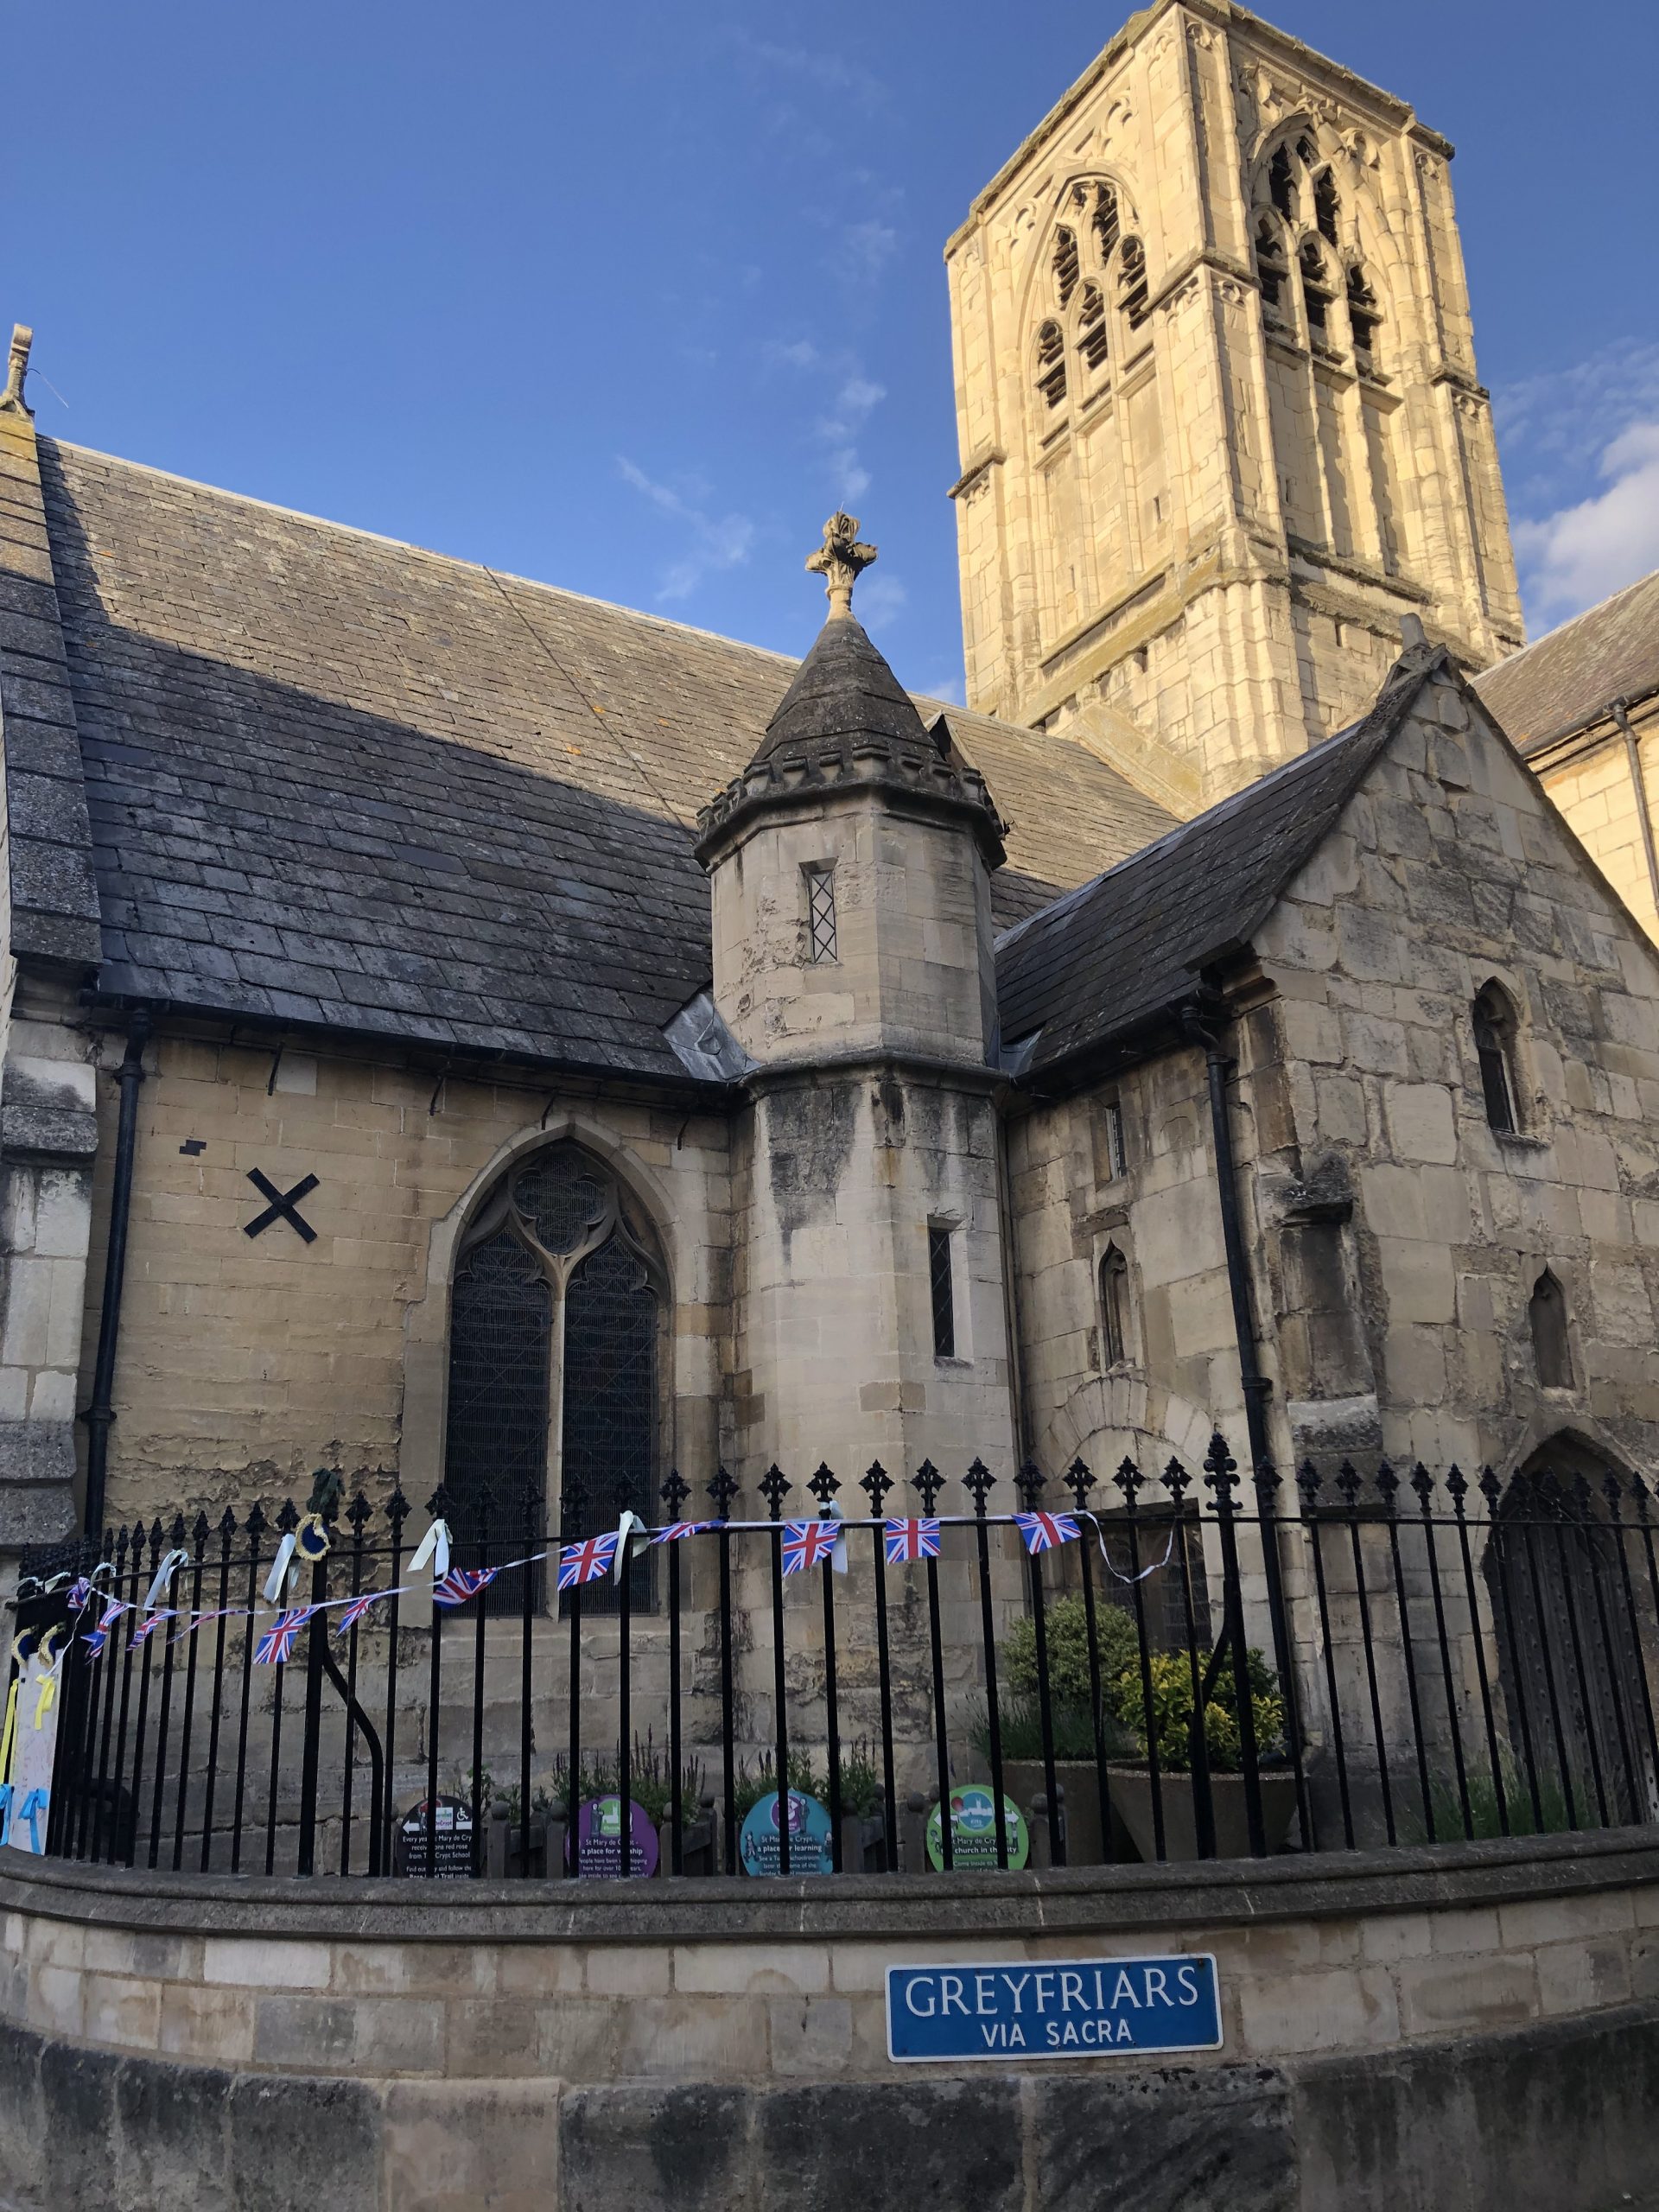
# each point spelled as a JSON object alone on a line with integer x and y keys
{"x": 433, "y": 1547}
{"x": 276, "y": 1580}
{"x": 632, "y": 1533}
{"x": 164, "y": 1575}
{"x": 838, "y": 1550}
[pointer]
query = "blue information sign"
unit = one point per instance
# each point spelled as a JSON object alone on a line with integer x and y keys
{"x": 1066, "y": 2008}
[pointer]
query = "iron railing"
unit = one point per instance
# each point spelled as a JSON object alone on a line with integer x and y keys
{"x": 1378, "y": 1658}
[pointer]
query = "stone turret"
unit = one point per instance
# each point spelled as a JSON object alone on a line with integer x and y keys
{"x": 850, "y": 869}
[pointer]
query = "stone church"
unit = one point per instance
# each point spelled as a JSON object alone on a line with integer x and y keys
{"x": 457, "y": 1031}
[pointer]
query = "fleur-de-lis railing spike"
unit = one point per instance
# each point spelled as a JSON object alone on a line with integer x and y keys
{"x": 1129, "y": 1479}
{"x": 1221, "y": 1474}
{"x": 823, "y": 1486}
{"x": 1639, "y": 1490}
{"x": 1613, "y": 1491}
{"x": 1177, "y": 1481}
{"x": 257, "y": 1522}
{"x": 775, "y": 1486}
{"x": 439, "y": 1505}
{"x": 979, "y": 1481}
{"x": 1078, "y": 1480}
{"x": 1423, "y": 1482}
{"x": 1310, "y": 1482}
{"x": 226, "y": 1525}
{"x": 1029, "y": 1483}
{"x": 359, "y": 1512}
{"x": 875, "y": 1484}
{"x": 676, "y": 1491}
{"x": 1457, "y": 1487}
{"x": 198, "y": 1532}
{"x": 1489, "y": 1487}
{"x": 1387, "y": 1484}
{"x": 1268, "y": 1487}
{"x": 1348, "y": 1482}
{"x": 928, "y": 1483}
{"x": 722, "y": 1490}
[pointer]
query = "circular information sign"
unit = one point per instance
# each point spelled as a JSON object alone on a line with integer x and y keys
{"x": 810, "y": 1850}
{"x": 973, "y": 1829}
{"x": 597, "y": 1840}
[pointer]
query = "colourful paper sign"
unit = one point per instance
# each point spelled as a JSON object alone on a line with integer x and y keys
{"x": 598, "y": 1841}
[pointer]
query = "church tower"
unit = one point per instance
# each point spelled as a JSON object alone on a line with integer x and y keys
{"x": 1219, "y": 418}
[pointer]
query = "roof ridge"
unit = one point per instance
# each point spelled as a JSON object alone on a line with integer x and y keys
{"x": 427, "y": 552}
{"x": 1584, "y": 614}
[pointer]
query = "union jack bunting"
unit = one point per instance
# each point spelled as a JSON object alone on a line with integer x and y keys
{"x": 676, "y": 1529}
{"x": 275, "y": 1646}
{"x": 808, "y": 1543}
{"x": 912, "y": 1540}
{"x": 350, "y": 1614}
{"x": 462, "y": 1583}
{"x": 95, "y": 1639}
{"x": 1042, "y": 1531}
{"x": 80, "y": 1593}
{"x": 586, "y": 1562}
{"x": 154, "y": 1621}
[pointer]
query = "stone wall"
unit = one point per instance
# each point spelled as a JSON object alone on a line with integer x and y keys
{"x": 245, "y": 1362}
{"x": 1477, "y": 2025}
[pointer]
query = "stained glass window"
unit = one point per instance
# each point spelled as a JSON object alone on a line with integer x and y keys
{"x": 553, "y": 1371}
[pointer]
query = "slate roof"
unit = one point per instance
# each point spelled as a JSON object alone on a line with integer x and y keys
{"x": 843, "y": 689}
{"x": 336, "y": 779}
{"x": 1549, "y": 690}
{"x": 1113, "y": 956}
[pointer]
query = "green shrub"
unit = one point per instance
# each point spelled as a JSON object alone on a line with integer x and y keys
{"x": 1172, "y": 1710}
{"x": 1484, "y": 1818}
{"x": 1065, "y": 1623}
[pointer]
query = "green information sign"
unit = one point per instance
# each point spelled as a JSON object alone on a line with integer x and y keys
{"x": 973, "y": 1829}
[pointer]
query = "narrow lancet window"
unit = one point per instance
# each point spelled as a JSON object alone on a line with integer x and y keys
{"x": 942, "y": 1289}
{"x": 1091, "y": 329}
{"x": 1325, "y": 206}
{"x": 1132, "y": 283}
{"x": 1067, "y": 264}
{"x": 1114, "y": 1308}
{"x": 1050, "y": 362}
{"x": 1494, "y": 1027}
{"x": 821, "y": 913}
{"x": 1546, "y": 1313}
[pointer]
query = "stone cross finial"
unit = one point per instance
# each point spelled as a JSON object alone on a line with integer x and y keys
{"x": 11, "y": 399}
{"x": 840, "y": 561}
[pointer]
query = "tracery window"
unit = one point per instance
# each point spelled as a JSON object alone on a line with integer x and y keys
{"x": 555, "y": 1364}
{"x": 1281, "y": 184}
{"x": 1495, "y": 1030}
{"x": 1326, "y": 203}
{"x": 1107, "y": 221}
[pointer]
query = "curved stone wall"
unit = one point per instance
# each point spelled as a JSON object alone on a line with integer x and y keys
{"x": 1487, "y": 2012}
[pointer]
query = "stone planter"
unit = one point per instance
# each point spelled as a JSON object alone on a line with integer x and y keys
{"x": 1023, "y": 1780}
{"x": 1132, "y": 1796}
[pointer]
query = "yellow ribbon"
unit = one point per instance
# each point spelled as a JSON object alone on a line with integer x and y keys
{"x": 8, "y": 1740}
{"x": 47, "y": 1697}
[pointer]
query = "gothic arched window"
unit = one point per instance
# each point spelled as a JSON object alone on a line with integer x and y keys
{"x": 1132, "y": 283}
{"x": 1364, "y": 316}
{"x": 1067, "y": 264}
{"x": 1326, "y": 205}
{"x": 1272, "y": 268}
{"x": 1114, "y": 1308}
{"x": 1106, "y": 221}
{"x": 1493, "y": 1025}
{"x": 1547, "y": 1318}
{"x": 556, "y": 1319}
{"x": 1281, "y": 184}
{"x": 1091, "y": 329}
{"x": 1316, "y": 293}
{"x": 1050, "y": 362}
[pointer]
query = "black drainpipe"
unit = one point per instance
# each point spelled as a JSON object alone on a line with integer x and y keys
{"x": 100, "y": 1412}
{"x": 1254, "y": 1384}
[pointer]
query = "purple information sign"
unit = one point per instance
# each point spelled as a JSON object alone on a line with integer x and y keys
{"x": 598, "y": 1839}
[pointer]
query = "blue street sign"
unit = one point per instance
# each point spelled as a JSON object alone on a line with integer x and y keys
{"x": 1065, "y": 2008}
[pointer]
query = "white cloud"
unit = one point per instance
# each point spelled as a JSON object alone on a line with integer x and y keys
{"x": 1580, "y": 453}
{"x": 717, "y": 542}
{"x": 837, "y": 431}
{"x": 829, "y": 73}
{"x": 864, "y": 250}
{"x": 1582, "y": 553}
{"x": 948, "y": 688}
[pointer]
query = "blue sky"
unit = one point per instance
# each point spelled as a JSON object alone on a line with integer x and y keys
{"x": 628, "y": 298}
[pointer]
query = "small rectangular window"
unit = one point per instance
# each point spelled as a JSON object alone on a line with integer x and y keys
{"x": 940, "y": 1284}
{"x": 1117, "y": 1160}
{"x": 821, "y": 913}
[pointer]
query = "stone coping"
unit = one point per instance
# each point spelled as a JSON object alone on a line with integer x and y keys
{"x": 855, "y": 1907}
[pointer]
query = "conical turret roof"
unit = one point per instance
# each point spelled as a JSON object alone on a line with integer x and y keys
{"x": 843, "y": 690}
